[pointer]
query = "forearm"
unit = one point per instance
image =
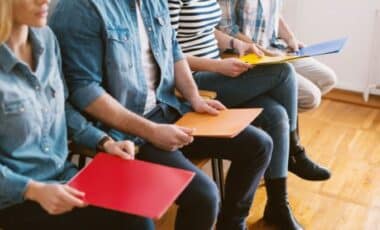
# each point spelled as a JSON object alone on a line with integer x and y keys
{"x": 202, "y": 64}
{"x": 284, "y": 30}
{"x": 109, "y": 111}
{"x": 224, "y": 40}
{"x": 243, "y": 37}
{"x": 184, "y": 81}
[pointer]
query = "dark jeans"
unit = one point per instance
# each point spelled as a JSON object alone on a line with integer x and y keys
{"x": 276, "y": 81}
{"x": 271, "y": 87}
{"x": 249, "y": 154}
{"x": 29, "y": 215}
{"x": 274, "y": 120}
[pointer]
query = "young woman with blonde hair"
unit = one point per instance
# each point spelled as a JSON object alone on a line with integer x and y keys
{"x": 33, "y": 131}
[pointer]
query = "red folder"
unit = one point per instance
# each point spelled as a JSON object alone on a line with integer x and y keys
{"x": 131, "y": 186}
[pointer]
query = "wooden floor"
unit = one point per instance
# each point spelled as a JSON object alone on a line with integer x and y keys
{"x": 345, "y": 138}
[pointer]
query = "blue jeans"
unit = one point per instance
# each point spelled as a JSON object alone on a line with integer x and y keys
{"x": 272, "y": 87}
{"x": 249, "y": 153}
{"x": 277, "y": 81}
{"x": 274, "y": 120}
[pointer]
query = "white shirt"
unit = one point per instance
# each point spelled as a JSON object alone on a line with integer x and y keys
{"x": 150, "y": 68}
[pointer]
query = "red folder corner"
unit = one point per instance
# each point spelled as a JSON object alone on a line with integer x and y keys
{"x": 131, "y": 186}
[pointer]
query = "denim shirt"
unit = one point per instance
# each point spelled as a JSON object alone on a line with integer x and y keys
{"x": 33, "y": 131}
{"x": 101, "y": 52}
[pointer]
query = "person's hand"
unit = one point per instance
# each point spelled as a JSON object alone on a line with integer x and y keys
{"x": 294, "y": 44}
{"x": 232, "y": 67}
{"x": 55, "y": 198}
{"x": 123, "y": 149}
{"x": 170, "y": 137}
{"x": 208, "y": 106}
{"x": 247, "y": 47}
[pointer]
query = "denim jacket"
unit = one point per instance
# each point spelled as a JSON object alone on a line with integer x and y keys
{"x": 101, "y": 52}
{"x": 33, "y": 128}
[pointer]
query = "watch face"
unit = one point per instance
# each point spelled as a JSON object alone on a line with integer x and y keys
{"x": 100, "y": 145}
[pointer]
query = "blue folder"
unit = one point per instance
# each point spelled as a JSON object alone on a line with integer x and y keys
{"x": 328, "y": 47}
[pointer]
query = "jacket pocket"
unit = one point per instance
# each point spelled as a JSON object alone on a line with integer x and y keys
{"x": 118, "y": 49}
{"x": 17, "y": 118}
{"x": 15, "y": 107}
{"x": 165, "y": 28}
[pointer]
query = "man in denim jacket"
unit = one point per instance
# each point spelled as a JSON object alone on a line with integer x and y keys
{"x": 122, "y": 62}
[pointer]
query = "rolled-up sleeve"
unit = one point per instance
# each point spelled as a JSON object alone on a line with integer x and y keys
{"x": 80, "y": 130}
{"x": 12, "y": 186}
{"x": 80, "y": 39}
{"x": 177, "y": 51}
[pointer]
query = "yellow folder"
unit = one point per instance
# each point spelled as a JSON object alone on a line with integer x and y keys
{"x": 266, "y": 60}
{"x": 227, "y": 124}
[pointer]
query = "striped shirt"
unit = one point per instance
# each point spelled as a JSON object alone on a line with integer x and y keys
{"x": 195, "y": 21}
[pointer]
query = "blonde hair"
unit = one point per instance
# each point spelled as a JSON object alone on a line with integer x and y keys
{"x": 5, "y": 19}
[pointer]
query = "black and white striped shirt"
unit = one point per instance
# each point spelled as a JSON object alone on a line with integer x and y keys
{"x": 195, "y": 21}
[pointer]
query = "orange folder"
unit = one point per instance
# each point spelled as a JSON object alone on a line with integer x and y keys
{"x": 227, "y": 124}
{"x": 131, "y": 186}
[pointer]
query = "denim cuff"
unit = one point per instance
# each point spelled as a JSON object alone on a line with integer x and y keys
{"x": 12, "y": 186}
{"x": 90, "y": 136}
{"x": 84, "y": 96}
{"x": 234, "y": 31}
{"x": 178, "y": 56}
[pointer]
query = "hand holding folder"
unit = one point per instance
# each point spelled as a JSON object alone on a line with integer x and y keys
{"x": 328, "y": 47}
{"x": 131, "y": 186}
{"x": 227, "y": 124}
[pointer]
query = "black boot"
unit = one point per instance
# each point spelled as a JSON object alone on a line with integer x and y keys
{"x": 277, "y": 210}
{"x": 301, "y": 165}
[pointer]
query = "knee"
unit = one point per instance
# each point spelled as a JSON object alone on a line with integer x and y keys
{"x": 329, "y": 81}
{"x": 288, "y": 72}
{"x": 309, "y": 100}
{"x": 275, "y": 118}
{"x": 263, "y": 148}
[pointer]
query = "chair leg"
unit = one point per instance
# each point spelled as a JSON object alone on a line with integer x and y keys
{"x": 221, "y": 177}
{"x": 218, "y": 176}
{"x": 81, "y": 161}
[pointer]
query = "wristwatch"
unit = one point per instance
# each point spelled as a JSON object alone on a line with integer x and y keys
{"x": 232, "y": 43}
{"x": 100, "y": 145}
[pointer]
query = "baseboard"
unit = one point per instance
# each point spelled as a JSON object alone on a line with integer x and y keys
{"x": 353, "y": 98}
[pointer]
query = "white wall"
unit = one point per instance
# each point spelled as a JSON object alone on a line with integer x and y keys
{"x": 319, "y": 20}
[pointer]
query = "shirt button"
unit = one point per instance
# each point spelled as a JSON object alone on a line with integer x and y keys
{"x": 46, "y": 149}
{"x": 22, "y": 109}
{"x": 149, "y": 29}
